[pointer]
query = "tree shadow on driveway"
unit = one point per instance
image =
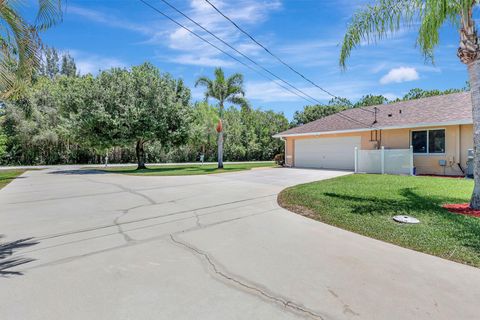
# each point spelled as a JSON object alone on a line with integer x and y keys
{"x": 7, "y": 249}
{"x": 78, "y": 172}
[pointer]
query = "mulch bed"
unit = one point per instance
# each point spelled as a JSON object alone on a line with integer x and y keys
{"x": 440, "y": 176}
{"x": 462, "y": 208}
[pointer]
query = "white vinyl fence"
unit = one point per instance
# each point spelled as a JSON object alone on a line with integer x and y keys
{"x": 390, "y": 161}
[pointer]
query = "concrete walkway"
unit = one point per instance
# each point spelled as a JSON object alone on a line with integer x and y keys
{"x": 206, "y": 247}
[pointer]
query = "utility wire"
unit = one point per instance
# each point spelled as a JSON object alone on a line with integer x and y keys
{"x": 274, "y": 55}
{"x": 240, "y": 53}
{"x": 268, "y": 51}
{"x": 238, "y": 60}
{"x": 223, "y": 51}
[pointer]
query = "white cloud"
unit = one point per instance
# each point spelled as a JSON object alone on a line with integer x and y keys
{"x": 401, "y": 74}
{"x": 107, "y": 19}
{"x": 269, "y": 91}
{"x": 92, "y": 63}
{"x": 186, "y": 48}
{"x": 195, "y": 51}
{"x": 313, "y": 53}
{"x": 195, "y": 60}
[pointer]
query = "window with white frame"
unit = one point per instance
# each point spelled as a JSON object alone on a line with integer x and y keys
{"x": 428, "y": 141}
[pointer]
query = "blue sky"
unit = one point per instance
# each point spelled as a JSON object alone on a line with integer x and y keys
{"x": 305, "y": 33}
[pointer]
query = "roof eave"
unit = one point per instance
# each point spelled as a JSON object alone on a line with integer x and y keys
{"x": 406, "y": 126}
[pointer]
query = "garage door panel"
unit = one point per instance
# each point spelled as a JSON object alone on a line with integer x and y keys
{"x": 326, "y": 153}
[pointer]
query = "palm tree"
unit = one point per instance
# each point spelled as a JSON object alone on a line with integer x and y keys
{"x": 224, "y": 90}
{"x": 20, "y": 43}
{"x": 377, "y": 21}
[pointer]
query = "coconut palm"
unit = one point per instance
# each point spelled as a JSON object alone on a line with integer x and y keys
{"x": 20, "y": 43}
{"x": 377, "y": 21}
{"x": 223, "y": 90}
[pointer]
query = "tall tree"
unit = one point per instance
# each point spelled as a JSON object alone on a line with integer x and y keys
{"x": 417, "y": 93}
{"x": 377, "y": 21}
{"x": 68, "y": 68}
{"x": 20, "y": 44}
{"x": 312, "y": 113}
{"x": 370, "y": 100}
{"x": 135, "y": 106}
{"x": 223, "y": 90}
{"x": 50, "y": 65}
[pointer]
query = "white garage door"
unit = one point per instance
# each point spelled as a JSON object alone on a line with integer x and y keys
{"x": 326, "y": 153}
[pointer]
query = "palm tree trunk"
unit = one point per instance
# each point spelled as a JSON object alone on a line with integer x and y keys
{"x": 140, "y": 151}
{"x": 220, "y": 150}
{"x": 220, "y": 137}
{"x": 474, "y": 74}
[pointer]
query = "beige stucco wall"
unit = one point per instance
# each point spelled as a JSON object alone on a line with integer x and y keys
{"x": 458, "y": 139}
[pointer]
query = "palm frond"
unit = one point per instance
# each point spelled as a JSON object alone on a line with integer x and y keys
{"x": 219, "y": 75}
{"x": 386, "y": 17}
{"x": 235, "y": 79}
{"x": 204, "y": 82}
{"x": 433, "y": 16}
{"x": 235, "y": 90}
{"x": 49, "y": 13}
{"x": 223, "y": 89}
{"x": 239, "y": 100}
{"x": 208, "y": 85}
{"x": 20, "y": 44}
{"x": 378, "y": 21}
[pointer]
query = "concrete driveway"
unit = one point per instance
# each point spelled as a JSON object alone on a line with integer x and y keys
{"x": 206, "y": 247}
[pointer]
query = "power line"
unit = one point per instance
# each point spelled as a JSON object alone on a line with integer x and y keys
{"x": 221, "y": 50}
{"x": 239, "y": 52}
{"x": 268, "y": 51}
{"x": 241, "y": 62}
{"x": 272, "y": 54}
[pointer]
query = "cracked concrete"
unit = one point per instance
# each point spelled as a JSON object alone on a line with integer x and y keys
{"x": 208, "y": 247}
{"x": 249, "y": 287}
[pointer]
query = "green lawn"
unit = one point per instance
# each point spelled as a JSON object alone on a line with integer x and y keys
{"x": 6, "y": 176}
{"x": 182, "y": 170}
{"x": 365, "y": 204}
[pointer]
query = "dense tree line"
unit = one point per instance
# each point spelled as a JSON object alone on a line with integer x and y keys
{"x": 137, "y": 114}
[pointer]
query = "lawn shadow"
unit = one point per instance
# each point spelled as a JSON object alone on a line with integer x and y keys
{"x": 7, "y": 249}
{"x": 411, "y": 202}
{"x": 466, "y": 231}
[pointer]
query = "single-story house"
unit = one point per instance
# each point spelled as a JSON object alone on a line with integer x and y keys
{"x": 438, "y": 128}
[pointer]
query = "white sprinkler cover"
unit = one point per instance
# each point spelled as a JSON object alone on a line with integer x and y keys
{"x": 406, "y": 219}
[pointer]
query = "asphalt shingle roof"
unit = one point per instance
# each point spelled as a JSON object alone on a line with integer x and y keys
{"x": 455, "y": 107}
